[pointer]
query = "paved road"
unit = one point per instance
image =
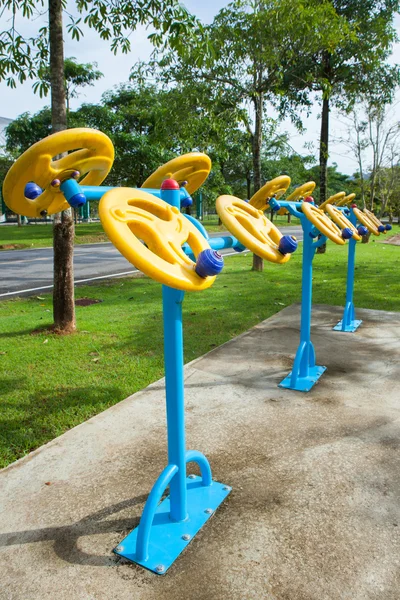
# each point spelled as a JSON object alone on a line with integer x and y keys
{"x": 26, "y": 272}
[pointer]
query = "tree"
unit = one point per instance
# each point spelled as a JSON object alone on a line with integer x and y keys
{"x": 256, "y": 47}
{"x": 26, "y": 58}
{"x": 76, "y": 75}
{"x": 355, "y": 67}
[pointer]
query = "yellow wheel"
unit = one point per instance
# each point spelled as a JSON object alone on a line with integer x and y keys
{"x": 364, "y": 219}
{"x": 272, "y": 189}
{"x": 302, "y": 191}
{"x": 346, "y": 200}
{"x": 340, "y": 219}
{"x": 91, "y": 153}
{"x": 322, "y": 222}
{"x": 373, "y": 218}
{"x": 332, "y": 200}
{"x": 130, "y": 217}
{"x": 251, "y": 228}
{"x": 194, "y": 168}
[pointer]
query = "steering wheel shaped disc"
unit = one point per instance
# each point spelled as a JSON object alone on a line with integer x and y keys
{"x": 322, "y": 222}
{"x": 332, "y": 200}
{"x": 272, "y": 189}
{"x": 194, "y": 168}
{"x": 91, "y": 153}
{"x": 302, "y": 191}
{"x": 346, "y": 200}
{"x": 251, "y": 228}
{"x": 373, "y": 217}
{"x": 340, "y": 219}
{"x": 130, "y": 217}
{"x": 365, "y": 220}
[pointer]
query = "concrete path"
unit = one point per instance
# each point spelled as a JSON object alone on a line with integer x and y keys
{"x": 315, "y": 509}
{"x": 27, "y": 272}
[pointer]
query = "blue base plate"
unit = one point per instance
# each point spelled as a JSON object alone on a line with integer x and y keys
{"x": 354, "y": 325}
{"x": 166, "y": 541}
{"x": 303, "y": 384}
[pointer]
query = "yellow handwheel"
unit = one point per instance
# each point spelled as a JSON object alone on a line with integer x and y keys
{"x": 332, "y": 200}
{"x": 364, "y": 219}
{"x": 251, "y": 228}
{"x": 302, "y": 191}
{"x": 130, "y": 217}
{"x": 193, "y": 168}
{"x": 91, "y": 153}
{"x": 340, "y": 219}
{"x": 373, "y": 218}
{"x": 272, "y": 189}
{"x": 346, "y": 200}
{"x": 322, "y": 222}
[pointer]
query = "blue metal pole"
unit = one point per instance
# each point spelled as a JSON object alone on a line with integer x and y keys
{"x": 305, "y": 372}
{"x": 349, "y": 323}
{"x": 174, "y": 388}
{"x": 306, "y": 298}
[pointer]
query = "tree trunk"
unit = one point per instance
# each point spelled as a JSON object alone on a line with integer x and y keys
{"x": 258, "y": 263}
{"x": 63, "y": 229}
{"x": 248, "y": 185}
{"x": 365, "y": 238}
{"x": 323, "y": 159}
{"x": 19, "y": 220}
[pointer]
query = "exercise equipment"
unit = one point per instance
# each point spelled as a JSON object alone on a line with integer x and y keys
{"x": 315, "y": 224}
{"x": 357, "y": 223}
{"x": 301, "y": 192}
{"x": 128, "y": 216}
{"x": 191, "y": 170}
{"x": 272, "y": 189}
{"x": 335, "y": 199}
{"x": 253, "y": 230}
{"x": 40, "y": 184}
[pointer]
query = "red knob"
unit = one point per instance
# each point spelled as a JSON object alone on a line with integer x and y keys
{"x": 170, "y": 184}
{"x": 308, "y": 199}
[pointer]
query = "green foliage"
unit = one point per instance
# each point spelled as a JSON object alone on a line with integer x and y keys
{"x": 23, "y": 58}
{"x": 76, "y": 75}
{"x": 258, "y": 45}
{"x": 357, "y": 64}
{"x": 26, "y": 130}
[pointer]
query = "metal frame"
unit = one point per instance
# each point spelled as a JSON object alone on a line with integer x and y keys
{"x": 349, "y": 323}
{"x": 305, "y": 372}
{"x": 168, "y": 525}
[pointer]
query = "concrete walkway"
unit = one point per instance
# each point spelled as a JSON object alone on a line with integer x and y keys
{"x": 315, "y": 508}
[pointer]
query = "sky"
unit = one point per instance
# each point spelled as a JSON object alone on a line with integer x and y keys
{"x": 116, "y": 70}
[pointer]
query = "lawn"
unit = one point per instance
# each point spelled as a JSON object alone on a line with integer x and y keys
{"x": 41, "y": 236}
{"x": 51, "y": 383}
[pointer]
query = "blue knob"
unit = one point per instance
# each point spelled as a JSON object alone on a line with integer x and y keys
{"x": 32, "y": 190}
{"x": 287, "y": 244}
{"x": 347, "y": 233}
{"x": 388, "y": 227}
{"x": 77, "y": 200}
{"x": 276, "y": 207}
{"x": 381, "y": 228}
{"x": 187, "y": 201}
{"x": 239, "y": 247}
{"x": 209, "y": 263}
{"x": 362, "y": 230}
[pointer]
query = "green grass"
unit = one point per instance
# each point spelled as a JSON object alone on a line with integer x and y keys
{"x": 40, "y": 236}
{"x": 51, "y": 383}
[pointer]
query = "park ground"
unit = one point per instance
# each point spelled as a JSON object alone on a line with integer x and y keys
{"x": 51, "y": 383}
{"x": 41, "y": 235}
